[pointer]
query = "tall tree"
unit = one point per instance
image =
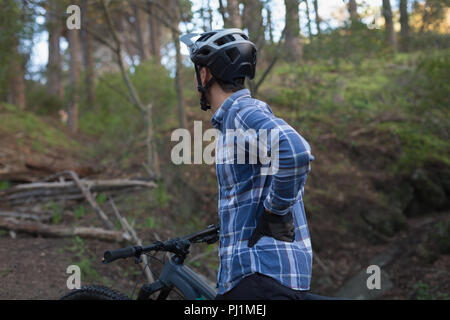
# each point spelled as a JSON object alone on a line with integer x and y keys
{"x": 353, "y": 11}
{"x": 140, "y": 27}
{"x": 318, "y": 20}
{"x": 54, "y": 27}
{"x": 176, "y": 10}
{"x": 146, "y": 110}
{"x": 389, "y": 24}
{"x": 269, "y": 26}
{"x": 230, "y": 14}
{"x": 308, "y": 17}
{"x": 253, "y": 20}
{"x": 16, "y": 79}
{"x": 293, "y": 46}
{"x": 155, "y": 32}
{"x": 74, "y": 79}
{"x": 234, "y": 20}
{"x": 88, "y": 61}
{"x": 404, "y": 23}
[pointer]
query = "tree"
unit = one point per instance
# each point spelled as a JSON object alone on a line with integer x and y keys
{"x": 404, "y": 23}
{"x": 234, "y": 20}
{"x": 308, "y": 17}
{"x": 293, "y": 46}
{"x": 318, "y": 20}
{"x": 155, "y": 33}
{"x": 353, "y": 11}
{"x": 54, "y": 28}
{"x": 88, "y": 62}
{"x": 16, "y": 79}
{"x": 116, "y": 47}
{"x": 140, "y": 27}
{"x": 253, "y": 21}
{"x": 74, "y": 79}
{"x": 389, "y": 24}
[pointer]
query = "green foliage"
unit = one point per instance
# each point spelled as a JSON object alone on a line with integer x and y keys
{"x": 441, "y": 237}
{"x": 432, "y": 73}
{"x": 42, "y": 135}
{"x": 79, "y": 212}
{"x": 161, "y": 196}
{"x": 41, "y": 102}
{"x": 117, "y": 122}
{"x": 424, "y": 292}
{"x": 151, "y": 222}
{"x": 4, "y": 184}
{"x": 101, "y": 198}
{"x": 56, "y": 211}
{"x": 83, "y": 260}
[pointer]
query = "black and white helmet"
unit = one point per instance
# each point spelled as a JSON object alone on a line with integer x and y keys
{"x": 227, "y": 53}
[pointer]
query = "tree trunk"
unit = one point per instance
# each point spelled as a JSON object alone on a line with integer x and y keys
{"x": 253, "y": 21}
{"x": 316, "y": 10}
{"x": 404, "y": 23}
{"x": 88, "y": 62}
{"x": 309, "y": 19}
{"x": 269, "y": 24}
{"x": 16, "y": 80}
{"x": 72, "y": 109}
{"x": 353, "y": 11}
{"x": 390, "y": 32}
{"x": 54, "y": 28}
{"x": 140, "y": 34}
{"x": 234, "y": 20}
{"x": 178, "y": 82}
{"x": 293, "y": 46}
{"x": 155, "y": 33}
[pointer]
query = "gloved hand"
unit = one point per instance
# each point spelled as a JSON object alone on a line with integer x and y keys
{"x": 275, "y": 226}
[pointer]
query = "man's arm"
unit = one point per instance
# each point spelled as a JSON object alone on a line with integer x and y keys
{"x": 294, "y": 156}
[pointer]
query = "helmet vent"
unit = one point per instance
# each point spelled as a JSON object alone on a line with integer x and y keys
{"x": 224, "y": 39}
{"x": 233, "y": 54}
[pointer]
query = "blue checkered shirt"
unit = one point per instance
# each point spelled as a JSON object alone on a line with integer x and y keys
{"x": 244, "y": 191}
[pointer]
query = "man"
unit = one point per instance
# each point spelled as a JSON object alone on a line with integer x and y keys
{"x": 265, "y": 249}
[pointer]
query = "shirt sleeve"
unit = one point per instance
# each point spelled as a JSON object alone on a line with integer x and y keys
{"x": 290, "y": 157}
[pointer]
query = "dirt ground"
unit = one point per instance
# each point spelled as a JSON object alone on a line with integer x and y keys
{"x": 35, "y": 268}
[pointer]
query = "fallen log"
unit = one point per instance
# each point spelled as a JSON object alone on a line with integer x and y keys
{"x": 43, "y": 191}
{"x": 26, "y": 216}
{"x": 46, "y": 230}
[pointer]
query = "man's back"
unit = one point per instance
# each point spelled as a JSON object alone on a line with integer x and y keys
{"x": 247, "y": 186}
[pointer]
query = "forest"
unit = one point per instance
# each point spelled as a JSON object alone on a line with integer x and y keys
{"x": 92, "y": 90}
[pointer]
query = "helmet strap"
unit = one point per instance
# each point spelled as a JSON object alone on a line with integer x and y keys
{"x": 204, "y": 104}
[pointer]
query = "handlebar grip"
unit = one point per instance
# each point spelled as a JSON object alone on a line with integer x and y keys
{"x": 112, "y": 255}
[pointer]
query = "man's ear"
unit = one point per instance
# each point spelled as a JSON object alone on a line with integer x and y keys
{"x": 205, "y": 75}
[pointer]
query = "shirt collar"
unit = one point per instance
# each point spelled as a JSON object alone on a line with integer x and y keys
{"x": 217, "y": 118}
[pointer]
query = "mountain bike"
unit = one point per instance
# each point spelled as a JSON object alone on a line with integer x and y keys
{"x": 175, "y": 276}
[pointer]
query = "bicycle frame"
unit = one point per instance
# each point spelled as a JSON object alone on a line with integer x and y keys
{"x": 180, "y": 276}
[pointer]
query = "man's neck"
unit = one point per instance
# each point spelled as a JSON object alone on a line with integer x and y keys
{"x": 217, "y": 97}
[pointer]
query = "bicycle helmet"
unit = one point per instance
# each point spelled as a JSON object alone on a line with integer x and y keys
{"x": 227, "y": 53}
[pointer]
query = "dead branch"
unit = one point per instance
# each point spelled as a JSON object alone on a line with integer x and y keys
{"x": 87, "y": 194}
{"x": 42, "y": 229}
{"x": 133, "y": 235}
{"x": 26, "y": 216}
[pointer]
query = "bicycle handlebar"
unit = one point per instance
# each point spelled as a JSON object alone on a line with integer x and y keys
{"x": 178, "y": 246}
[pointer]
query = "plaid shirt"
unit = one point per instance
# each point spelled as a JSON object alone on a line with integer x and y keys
{"x": 244, "y": 192}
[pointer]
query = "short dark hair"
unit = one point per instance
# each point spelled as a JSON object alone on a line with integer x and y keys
{"x": 237, "y": 85}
